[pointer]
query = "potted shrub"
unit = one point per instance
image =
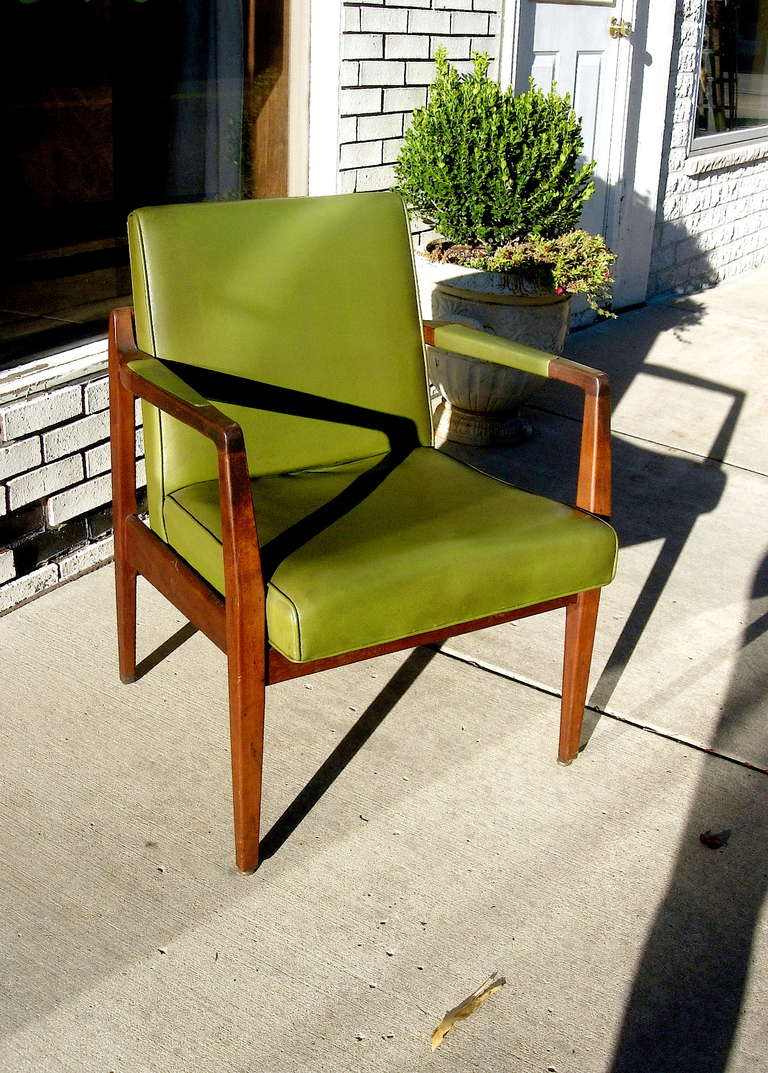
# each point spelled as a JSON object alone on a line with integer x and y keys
{"x": 499, "y": 177}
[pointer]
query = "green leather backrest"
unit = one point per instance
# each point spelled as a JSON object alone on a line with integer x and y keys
{"x": 311, "y": 294}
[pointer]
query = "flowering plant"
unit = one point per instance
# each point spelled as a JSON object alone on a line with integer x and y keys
{"x": 573, "y": 263}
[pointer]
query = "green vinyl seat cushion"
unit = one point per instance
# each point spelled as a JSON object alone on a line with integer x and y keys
{"x": 384, "y": 548}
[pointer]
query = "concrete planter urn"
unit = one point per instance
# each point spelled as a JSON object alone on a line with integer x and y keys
{"x": 480, "y": 402}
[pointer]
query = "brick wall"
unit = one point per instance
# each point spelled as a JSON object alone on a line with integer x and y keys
{"x": 712, "y": 218}
{"x": 388, "y": 50}
{"x": 55, "y": 487}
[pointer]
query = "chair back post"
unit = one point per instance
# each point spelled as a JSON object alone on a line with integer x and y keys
{"x": 122, "y": 419}
{"x": 124, "y": 503}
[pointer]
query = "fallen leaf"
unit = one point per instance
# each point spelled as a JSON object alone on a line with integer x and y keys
{"x": 466, "y": 1007}
{"x": 715, "y": 839}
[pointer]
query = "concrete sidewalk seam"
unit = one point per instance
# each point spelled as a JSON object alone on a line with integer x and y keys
{"x": 657, "y": 443}
{"x": 501, "y": 672}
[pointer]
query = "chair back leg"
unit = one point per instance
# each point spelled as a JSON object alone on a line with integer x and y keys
{"x": 580, "y": 622}
{"x": 125, "y": 595}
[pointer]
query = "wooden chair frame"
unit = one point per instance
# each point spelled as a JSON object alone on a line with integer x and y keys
{"x": 237, "y": 624}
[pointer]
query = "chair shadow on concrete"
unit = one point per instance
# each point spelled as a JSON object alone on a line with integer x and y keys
{"x": 685, "y": 1004}
{"x": 157, "y": 655}
{"x": 697, "y": 487}
{"x": 658, "y": 495}
{"x": 355, "y": 738}
{"x": 687, "y": 997}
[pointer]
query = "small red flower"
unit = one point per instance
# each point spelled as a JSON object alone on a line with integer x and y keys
{"x": 559, "y": 290}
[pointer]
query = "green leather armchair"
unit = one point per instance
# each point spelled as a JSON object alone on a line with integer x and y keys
{"x": 299, "y": 514}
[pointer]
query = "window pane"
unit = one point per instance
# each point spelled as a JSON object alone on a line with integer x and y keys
{"x": 733, "y": 85}
{"x": 107, "y": 105}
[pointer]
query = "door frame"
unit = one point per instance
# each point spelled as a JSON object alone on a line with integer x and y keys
{"x": 323, "y": 63}
{"x": 641, "y": 97}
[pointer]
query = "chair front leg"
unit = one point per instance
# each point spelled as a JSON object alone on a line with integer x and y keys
{"x": 246, "y": 669}
{"x": 580, "y": 622}
{"x": 246, "y": 644}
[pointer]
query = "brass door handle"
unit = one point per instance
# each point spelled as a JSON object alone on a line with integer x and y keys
{"x": 619, "y": 28}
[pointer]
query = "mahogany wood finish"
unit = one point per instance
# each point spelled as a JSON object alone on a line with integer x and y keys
{"x": 237, "y": 623}
{"x": 153, "y": 559}
{"x": 122, "y": 431}
{"x": 282, "y": 669}
{"x": 580, "y": 622}
{"x": 593, "y": 492}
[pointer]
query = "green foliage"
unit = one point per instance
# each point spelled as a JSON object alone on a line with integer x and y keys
{"x": 485, "y": 166}
{"x": 573, "y": 263}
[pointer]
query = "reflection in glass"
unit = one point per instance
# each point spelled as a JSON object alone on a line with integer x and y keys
{"x": 107, "y": 105}
{"x": 733, "y": 82}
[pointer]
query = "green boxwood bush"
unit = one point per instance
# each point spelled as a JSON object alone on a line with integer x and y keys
{"x": 484, "y": 166}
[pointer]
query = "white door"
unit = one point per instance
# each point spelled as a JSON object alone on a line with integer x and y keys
{"x": 569, "y": 42}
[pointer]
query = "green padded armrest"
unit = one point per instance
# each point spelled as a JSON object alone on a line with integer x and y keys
{"x": 160, "y": 376}
{"x": 461, "y": 339}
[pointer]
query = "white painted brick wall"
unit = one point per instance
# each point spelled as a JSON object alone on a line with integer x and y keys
{"x": 429, "y": 22}
{"x": 25, "y": 588}
{"x": 388, "y": 51}
{"x": 382, "y": 20}
{"x": 57, "y": 478}
{"x": 713, "y": 225}
{"x": 361, "y": 154}
{"x": 97, "y": 395}
{"x": 78, "y": 500}
{"x": 407, "y": 46}
{"x": 44, "y": 480}
{"x": 7, "y": 569}
{"x": 84, "y": 559}
{"x": 355, "y": 102}
{"x": 75, "y": 435}
{"x": 405, "y": 100}
{"x": 372, "y": 127}
{"x": 97, "y": 460}
{"x": 30, "y": 415}
{"x": 19, "y": 456}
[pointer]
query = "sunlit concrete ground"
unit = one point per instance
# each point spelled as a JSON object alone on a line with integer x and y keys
{"x": 419, "y": 833}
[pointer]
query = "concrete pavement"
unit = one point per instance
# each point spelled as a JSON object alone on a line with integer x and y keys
{"x": 418, "y": 831}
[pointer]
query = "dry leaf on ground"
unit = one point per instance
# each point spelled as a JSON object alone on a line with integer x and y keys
{"x": 466, "y": 1007}
{"x": 715, "y": 839}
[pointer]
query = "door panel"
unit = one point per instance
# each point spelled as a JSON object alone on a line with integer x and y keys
{"x": 620, "y": 88}
{"x": 544, "y": 68}
{"x": 570, "y": 45}
{"x": 586, "y": 96}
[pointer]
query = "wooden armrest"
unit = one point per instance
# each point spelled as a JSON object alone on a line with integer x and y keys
{"x": 593, "y": 490}
{"x": 146, "y": 377}
{"x": 135, "y": 373}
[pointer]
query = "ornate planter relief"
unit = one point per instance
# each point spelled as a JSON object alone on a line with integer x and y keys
{"x": 481, "y": 401}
